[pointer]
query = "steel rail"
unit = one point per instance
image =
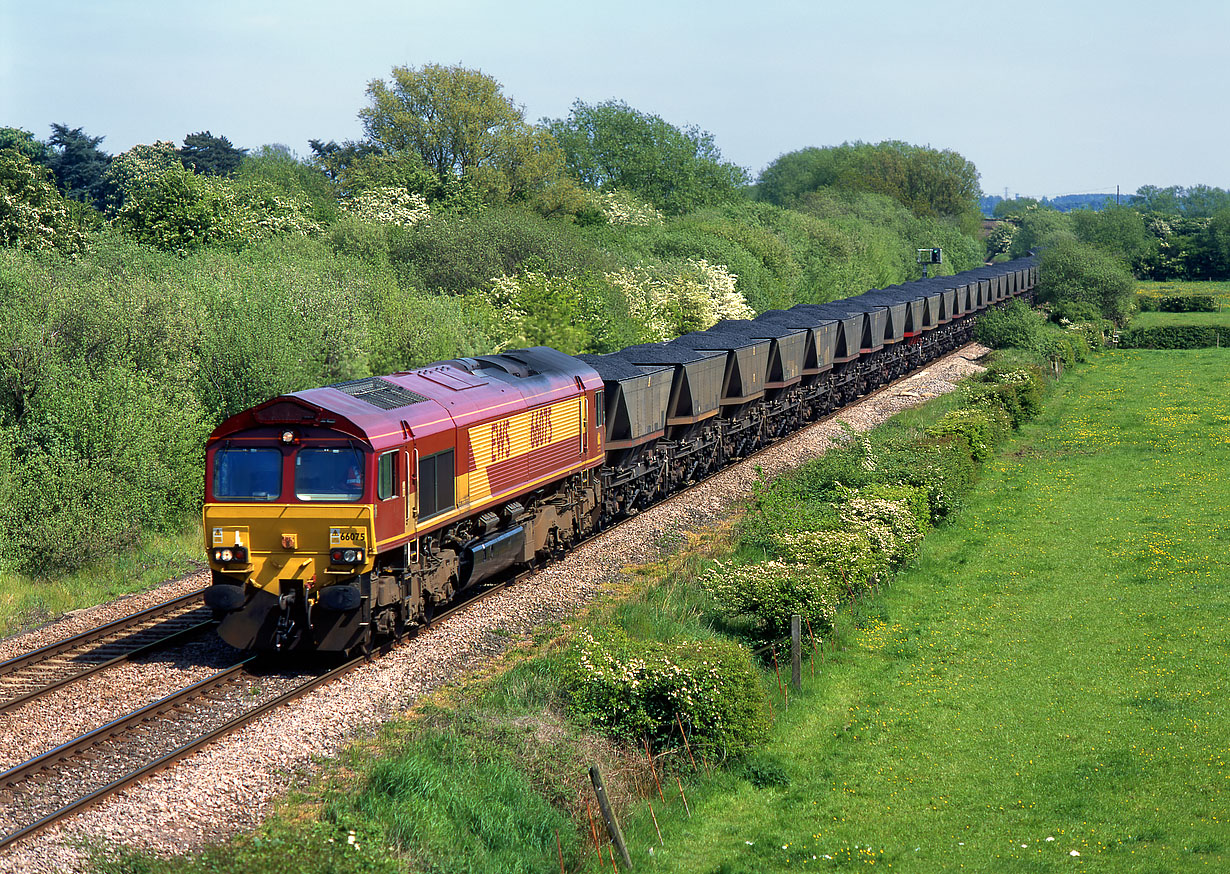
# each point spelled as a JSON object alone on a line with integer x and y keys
{"x": 44, "y": 656}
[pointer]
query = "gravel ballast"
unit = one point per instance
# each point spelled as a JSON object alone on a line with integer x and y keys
{"x": 228, "y": 786}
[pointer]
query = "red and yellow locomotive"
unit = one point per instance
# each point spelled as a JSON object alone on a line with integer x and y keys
{"x": 338, "y": 514}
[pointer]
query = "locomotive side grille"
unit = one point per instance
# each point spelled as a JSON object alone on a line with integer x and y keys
{"x": 379, "y": 392}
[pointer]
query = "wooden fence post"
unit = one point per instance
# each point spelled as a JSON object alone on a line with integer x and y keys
{"x": 796, "y": 652}
{"x": 612, "y": 825}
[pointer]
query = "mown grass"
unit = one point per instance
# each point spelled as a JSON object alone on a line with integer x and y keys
{"x": 26, "y": 602}
{"x": 1049, "y": 679}
{"x": 1160, "y": 319}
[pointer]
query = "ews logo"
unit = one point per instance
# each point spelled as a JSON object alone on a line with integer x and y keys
{"x": 501, "y": 441}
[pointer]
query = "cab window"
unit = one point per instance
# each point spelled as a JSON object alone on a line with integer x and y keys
{"x": 247, "y": 474}
{"x": 329, "y": 474}
{"x": 386, "y": 476}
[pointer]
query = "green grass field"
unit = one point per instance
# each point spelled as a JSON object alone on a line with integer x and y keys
{"x": 1180, "y": 287}
{"x": 1049, "y": 679}
{"x": 1159, "y": 319}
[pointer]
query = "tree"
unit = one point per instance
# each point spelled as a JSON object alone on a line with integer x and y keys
{"x": 1077, "y": 277}
{"x": 1116, "y": 230}
{"x": 79, "y": 165}
{"x": 1040, "y": 227}
{"x": 462, "y": 127}
{"x": 931, "y": 182}
{"x": 33, "y": 213}
{"x": 140, "y": 167}
{"x": 24, "y": 142}
{"x": 611, "y": 145}
{"x": 213, "y": 156}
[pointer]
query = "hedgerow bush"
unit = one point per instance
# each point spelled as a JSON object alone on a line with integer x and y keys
{"x": 1187, "y": 303}
{"x": 1017, "y": 393}
{"x": 874, "y": 530}
{"x": 1174, "y": 337}
{"x": 978, "y": 428}
{"x": 1015, "y": 325}
{"x": 635, "y": 690}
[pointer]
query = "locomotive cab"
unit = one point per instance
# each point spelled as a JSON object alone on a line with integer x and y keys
{"x": 289, "y": 523}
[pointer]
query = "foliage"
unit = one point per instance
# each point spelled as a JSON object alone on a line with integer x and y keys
{"x": 455, "y": 253}
{"x": 1187, "y": 303}
{"x": 978, "y": 428}
{"x": 1038, "y": 228}
{"x": 179, "y": 211}
{"x": 930, "y": 182}
{"x": 621, "y": 208}
{"x": 642, "y": 689}
{"x": 276, "y": 167}
{"x": 1116, "y": 230}
{"x": 1175, "y": 337}
{"x": 23, "y": 141}
{"x": 395, "y": 206}
{"x": 460, "y": 124}
{"x": 611, "y": 145}
{"x": 136, "y": 171}
{"x": 1014, "y": 393}
{"x": 571, "y": 314}
{"x": 1198, "y": 201}
{"x": 80, "y": 167}
{"x": 875, "y": 529}
{"x": 33, "y": 214}
{"x": 1015, "y": 325}
{"x": 672, "y": 300}
{"x": 1070, "y": 271}
{"x": 203, "y": 152}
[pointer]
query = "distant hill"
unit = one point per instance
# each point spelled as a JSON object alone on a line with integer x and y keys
{"x": 1063, "y": 203}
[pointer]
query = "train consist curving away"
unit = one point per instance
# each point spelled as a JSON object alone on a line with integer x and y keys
{"x": 340, "y": 515}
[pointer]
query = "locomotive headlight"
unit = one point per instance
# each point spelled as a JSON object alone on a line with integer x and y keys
{"x": 346, "y": 555}
{"x": 230, "y": 554}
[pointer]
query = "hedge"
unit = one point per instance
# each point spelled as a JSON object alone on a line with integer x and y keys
{"x": 1174, "y": 337}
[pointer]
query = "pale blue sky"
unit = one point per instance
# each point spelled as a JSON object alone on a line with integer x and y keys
{"x": 1046, "y": 98}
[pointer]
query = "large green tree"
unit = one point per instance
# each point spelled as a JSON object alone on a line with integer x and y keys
{"x": 203, "y": 152}
{"x": 80, "y": 166}
{"x": 931, "y": 182}
{"x": 460, "y": 124}
{"x": 678, "y": 169}
{"x": 24, "y": 142}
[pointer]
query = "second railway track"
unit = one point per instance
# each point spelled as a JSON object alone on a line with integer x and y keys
{"x": 33, "y": 674}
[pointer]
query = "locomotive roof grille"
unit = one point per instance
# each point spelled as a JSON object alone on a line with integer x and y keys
{"x": 379, "y": 392}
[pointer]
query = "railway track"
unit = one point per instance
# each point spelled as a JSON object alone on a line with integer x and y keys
{"x": 27, "y": 676}
{"x": 80, "y": 772}
{"x": 87, "y": 769}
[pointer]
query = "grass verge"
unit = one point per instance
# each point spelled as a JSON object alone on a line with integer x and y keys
{"x": 26, "y": 602}
{"x": 1044, "y": 690}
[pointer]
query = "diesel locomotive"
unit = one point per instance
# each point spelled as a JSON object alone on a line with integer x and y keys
{"x": 341, "y": 515}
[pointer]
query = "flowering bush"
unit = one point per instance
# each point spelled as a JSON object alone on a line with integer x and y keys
{"x": 878, "y": 528}
{"x": 673, "y": 300}
{"x": 33, "y": 213}
{"x": 1016, "y": 393}
{"x": 176, "y": 210}
{"x": 395, "y": 206}
{"x": 622, "y": 208}
{"x": 640, "y": 690}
